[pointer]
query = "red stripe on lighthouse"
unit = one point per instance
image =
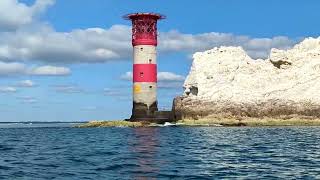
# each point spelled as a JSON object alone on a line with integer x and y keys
{"x": 144, "y": 73}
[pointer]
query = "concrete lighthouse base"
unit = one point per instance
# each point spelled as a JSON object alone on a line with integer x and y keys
{"x": 141, "y": 112}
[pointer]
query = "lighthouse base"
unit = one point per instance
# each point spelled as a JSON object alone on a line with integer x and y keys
{"x": 141, "y": 112}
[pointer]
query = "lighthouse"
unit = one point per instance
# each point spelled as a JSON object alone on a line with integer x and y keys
{"x": 144, "y": 42}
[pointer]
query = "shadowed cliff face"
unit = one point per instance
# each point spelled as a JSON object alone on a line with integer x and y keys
{"x": 227, "y": 82}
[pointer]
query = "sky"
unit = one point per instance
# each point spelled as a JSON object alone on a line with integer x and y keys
{"x": 71, "y": 60}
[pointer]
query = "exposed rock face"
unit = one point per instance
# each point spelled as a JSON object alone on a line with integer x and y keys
{"x": 226, "y": 81}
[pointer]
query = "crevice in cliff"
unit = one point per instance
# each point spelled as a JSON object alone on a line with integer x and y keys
{"x": 280, "y": 63}
{"x": 193, "y": 90}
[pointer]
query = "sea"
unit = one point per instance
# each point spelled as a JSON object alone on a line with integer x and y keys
{"x": 59, "y": 151}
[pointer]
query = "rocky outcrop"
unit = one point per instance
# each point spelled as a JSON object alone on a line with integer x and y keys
{"x": 225, "y": 81}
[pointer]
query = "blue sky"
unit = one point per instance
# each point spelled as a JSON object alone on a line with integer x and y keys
{"x": 69, "y": 60}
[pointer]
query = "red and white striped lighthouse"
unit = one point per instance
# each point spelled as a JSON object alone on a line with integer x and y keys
{"x": 144, "y": 41}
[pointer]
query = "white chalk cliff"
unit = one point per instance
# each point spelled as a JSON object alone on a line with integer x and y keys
{"x": 227, "y": 81}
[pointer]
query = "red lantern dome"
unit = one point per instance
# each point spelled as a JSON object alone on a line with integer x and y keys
{"x": 144, "y": 28}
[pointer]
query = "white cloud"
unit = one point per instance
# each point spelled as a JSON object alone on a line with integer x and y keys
{"x": 41, "y": 6}
{"x": 50, "y": 71}
{"x": 26, "y": 83}
{"x": 37, "y": 41}
{"x": 127, "y": 76}
{"x": 11, "y": 68}
{"x": 69, "y": 89}
{"x": 7, "y": 89}
{"x": 14, "y": 14}
{"x": 15, "y": 68}
{"x": 170, "y": 85}
{"x": 162, "y": 76}
{"x": 113, "y": 92}
{"x": 46, "y": 45}
{"x": 100, "y": 45}
{"x": 118, "y": 93}
{"x": 255, "y": 47}
{"x": 27, "y": 99}
{"x": 169, "y": 76}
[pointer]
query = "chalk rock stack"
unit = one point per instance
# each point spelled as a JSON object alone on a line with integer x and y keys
{"x": 225, "y": 81}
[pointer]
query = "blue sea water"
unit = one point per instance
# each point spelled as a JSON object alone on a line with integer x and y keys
{"x": 61, "y": 152}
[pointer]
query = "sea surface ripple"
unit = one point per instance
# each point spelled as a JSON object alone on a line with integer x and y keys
{"x": 159, "y": 153}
